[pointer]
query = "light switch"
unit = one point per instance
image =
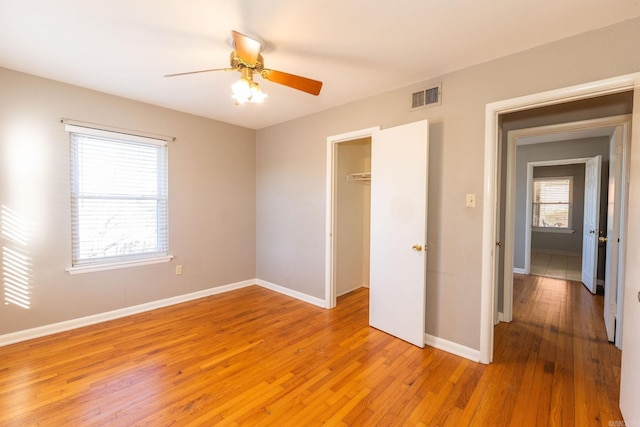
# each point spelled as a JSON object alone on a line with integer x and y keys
{"x": 471, "y": 200}
{"x": 178, "y": 269}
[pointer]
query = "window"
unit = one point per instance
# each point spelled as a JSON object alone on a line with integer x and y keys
{"x": 119, "y": 204}
{"x": 552, "y": 202}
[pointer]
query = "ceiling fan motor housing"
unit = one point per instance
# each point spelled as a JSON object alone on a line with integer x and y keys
{"x": 237, "y": 62}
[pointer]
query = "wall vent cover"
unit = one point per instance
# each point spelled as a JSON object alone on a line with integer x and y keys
{"x": 427, "y": 98}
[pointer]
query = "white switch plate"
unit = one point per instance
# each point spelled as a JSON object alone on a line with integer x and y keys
{"x": 471, "y": 200}
{"x": 178, "y": 269}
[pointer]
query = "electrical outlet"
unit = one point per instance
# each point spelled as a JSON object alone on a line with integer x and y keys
{"x": 178, "y": 269}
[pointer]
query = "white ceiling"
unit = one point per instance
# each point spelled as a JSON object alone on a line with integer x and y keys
{"x": 358, "y": 48}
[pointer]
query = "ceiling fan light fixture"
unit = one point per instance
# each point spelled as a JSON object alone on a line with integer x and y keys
{"x": 246, "y": 59}
{"x": 257, "y": 95}
{"x": 241, "y": 91}
{"x": 246, "y": 90}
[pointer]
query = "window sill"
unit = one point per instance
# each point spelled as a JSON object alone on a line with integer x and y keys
{"x": 117, "y": 265}
{"x": 553, "y": 230}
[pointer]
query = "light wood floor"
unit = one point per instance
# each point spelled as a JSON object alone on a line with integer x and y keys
{"x": 254, "y": 357}
{"x": 560, "y": 266}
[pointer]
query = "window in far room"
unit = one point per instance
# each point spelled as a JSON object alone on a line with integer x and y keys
{"x": 552, "y": 202}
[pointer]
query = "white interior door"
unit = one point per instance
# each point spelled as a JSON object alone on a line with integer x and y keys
{"x": 590, "y": 223}
{"x": 613, "y": 227}
{"x": 398, "y": 231}
{"x": 630, "y": 368}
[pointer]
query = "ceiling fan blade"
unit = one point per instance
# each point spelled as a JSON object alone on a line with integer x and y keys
{"x": 301, "y": 83}
{"x": 201, "y": 71}
{"x": 248, "y": 49}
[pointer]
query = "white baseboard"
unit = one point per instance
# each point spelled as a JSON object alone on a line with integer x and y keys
{"x": 452, "y": 347}
{"x": 67, "y": 325}
{"x": 519, "y": 270}
{"x": 54, "y": 328}
{"x": 351, "y": 290}
{"x": 289, "y": 292}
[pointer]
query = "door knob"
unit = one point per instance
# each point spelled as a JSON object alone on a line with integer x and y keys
{"x": 602, "y": 239}
{"x": 417, "y": 247}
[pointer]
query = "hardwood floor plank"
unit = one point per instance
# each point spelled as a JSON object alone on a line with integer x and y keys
{"x": 254, "y": 357}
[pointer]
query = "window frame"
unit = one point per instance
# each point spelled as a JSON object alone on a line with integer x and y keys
{"x": 569, "y": 227}
{"x": 79, "y": 265}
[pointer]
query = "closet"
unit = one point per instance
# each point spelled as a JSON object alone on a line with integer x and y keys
{"x": 352, "y": 214}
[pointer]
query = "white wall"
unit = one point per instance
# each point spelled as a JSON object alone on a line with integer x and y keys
{"x": 211, "y": 201}
{"x": 291, "y": 212}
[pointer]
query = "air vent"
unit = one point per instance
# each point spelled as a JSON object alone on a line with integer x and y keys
{"x": 427, "y": 98}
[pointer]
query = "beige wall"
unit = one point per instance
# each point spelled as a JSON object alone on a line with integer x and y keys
{"x": 231, "y": 187}
{"x": 291, "y": 163}
{"x": 211, "y": 200}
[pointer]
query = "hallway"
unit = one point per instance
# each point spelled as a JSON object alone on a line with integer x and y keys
{"x": 557, "y": 362}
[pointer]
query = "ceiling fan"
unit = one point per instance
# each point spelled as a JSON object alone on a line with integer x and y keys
{"x": 247, "y": 60}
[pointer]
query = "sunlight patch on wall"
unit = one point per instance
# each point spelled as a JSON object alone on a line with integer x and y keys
{"x": 13, "y": 227}
{"x": 16, "y": 262}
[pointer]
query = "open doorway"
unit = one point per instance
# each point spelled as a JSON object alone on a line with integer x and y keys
{"x": 348, "y": 208}
{"x": 597, "y": 211}
{"x": 352, "y": 208}
{"x": 566, "y": 211}
{"x": 494, "y": 214}
{"x": 561, "y": 188}
{"x": 557, "y": 217}
{"x": 559, "y": 134}
{"x": 397, "y": 229}
{"x": 629, "y": 82}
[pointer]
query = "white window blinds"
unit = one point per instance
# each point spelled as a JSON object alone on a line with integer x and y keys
{"x": 119, "y": 200}
{"x": 552, "y": 202}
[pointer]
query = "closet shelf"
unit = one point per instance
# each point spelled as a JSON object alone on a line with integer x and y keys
{"x": 360, "y": 176}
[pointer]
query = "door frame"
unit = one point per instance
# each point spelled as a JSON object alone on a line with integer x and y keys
{"x": 492, "y": 112}
{"x": 550, "y": 133}
{"x": 547, "y": 133}
{"x": 330, "y": 296}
